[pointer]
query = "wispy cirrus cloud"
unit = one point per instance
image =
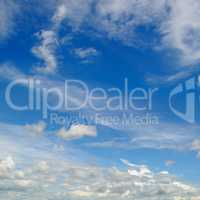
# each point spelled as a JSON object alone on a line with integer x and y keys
{"x": 9, "y": 72}
{"x": 168, "y": 136}
{"x": 85, "y": 54}
{"x": 171, "y": 79}
{"x": 175, "y": 22}
{"x": 169, "y": 163}
{"x": 48, "y": 44}
{"x": 119, "y": 20}
{"x": 9, "y": 11}
{"x": 46, "y": 51}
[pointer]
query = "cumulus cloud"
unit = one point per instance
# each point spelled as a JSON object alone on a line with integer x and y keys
{"x": 135, "y": 170}
{"x": 37, "y": 129}
{"x": 30, "y": 170}
{"x": 6, "y": 166}
{"x": 75, "y": 181}
{"x": 42, "y": 166}
{"x": 77, "y": 132}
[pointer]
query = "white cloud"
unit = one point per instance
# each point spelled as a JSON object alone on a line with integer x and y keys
{"x": 60, "y": 14}
{"x": 6, "y": 166}
{"x": 170, "y": 79}
{"x": 46, "y": 51}
{"x": 171, "y": 136}
{"x": 117, "y": 19}
{"x": 177, "y": 22}
{"x": 43, "y": 166}
{"x": 183, "y": 186}
{"x": 85, "y": 53}
{"x": 8, "y": 13}
{"x": 120, "y": 19}
{"x": 48, "y": 43}
{"x": 121, "y": 184}
{"x": 196, "y": 146}
{"x": 23, "y": 183}
{"x": 136, "y": 170}
{"x": 47, "y": 175}
{"x": 77, "y": 132}
{"x": 10, "y": 72}
{"x": 75, "y": 12}
{"x": 169, "y": 163}
{"x": 181, "y": 29}
{"x": 37, "y": 129}
{"x": 76, "y": 181}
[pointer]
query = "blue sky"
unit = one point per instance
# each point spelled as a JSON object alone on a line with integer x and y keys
{"x": 85, "y": 153}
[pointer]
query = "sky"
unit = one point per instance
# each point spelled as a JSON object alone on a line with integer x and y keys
{"x": 99, "y": 99}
